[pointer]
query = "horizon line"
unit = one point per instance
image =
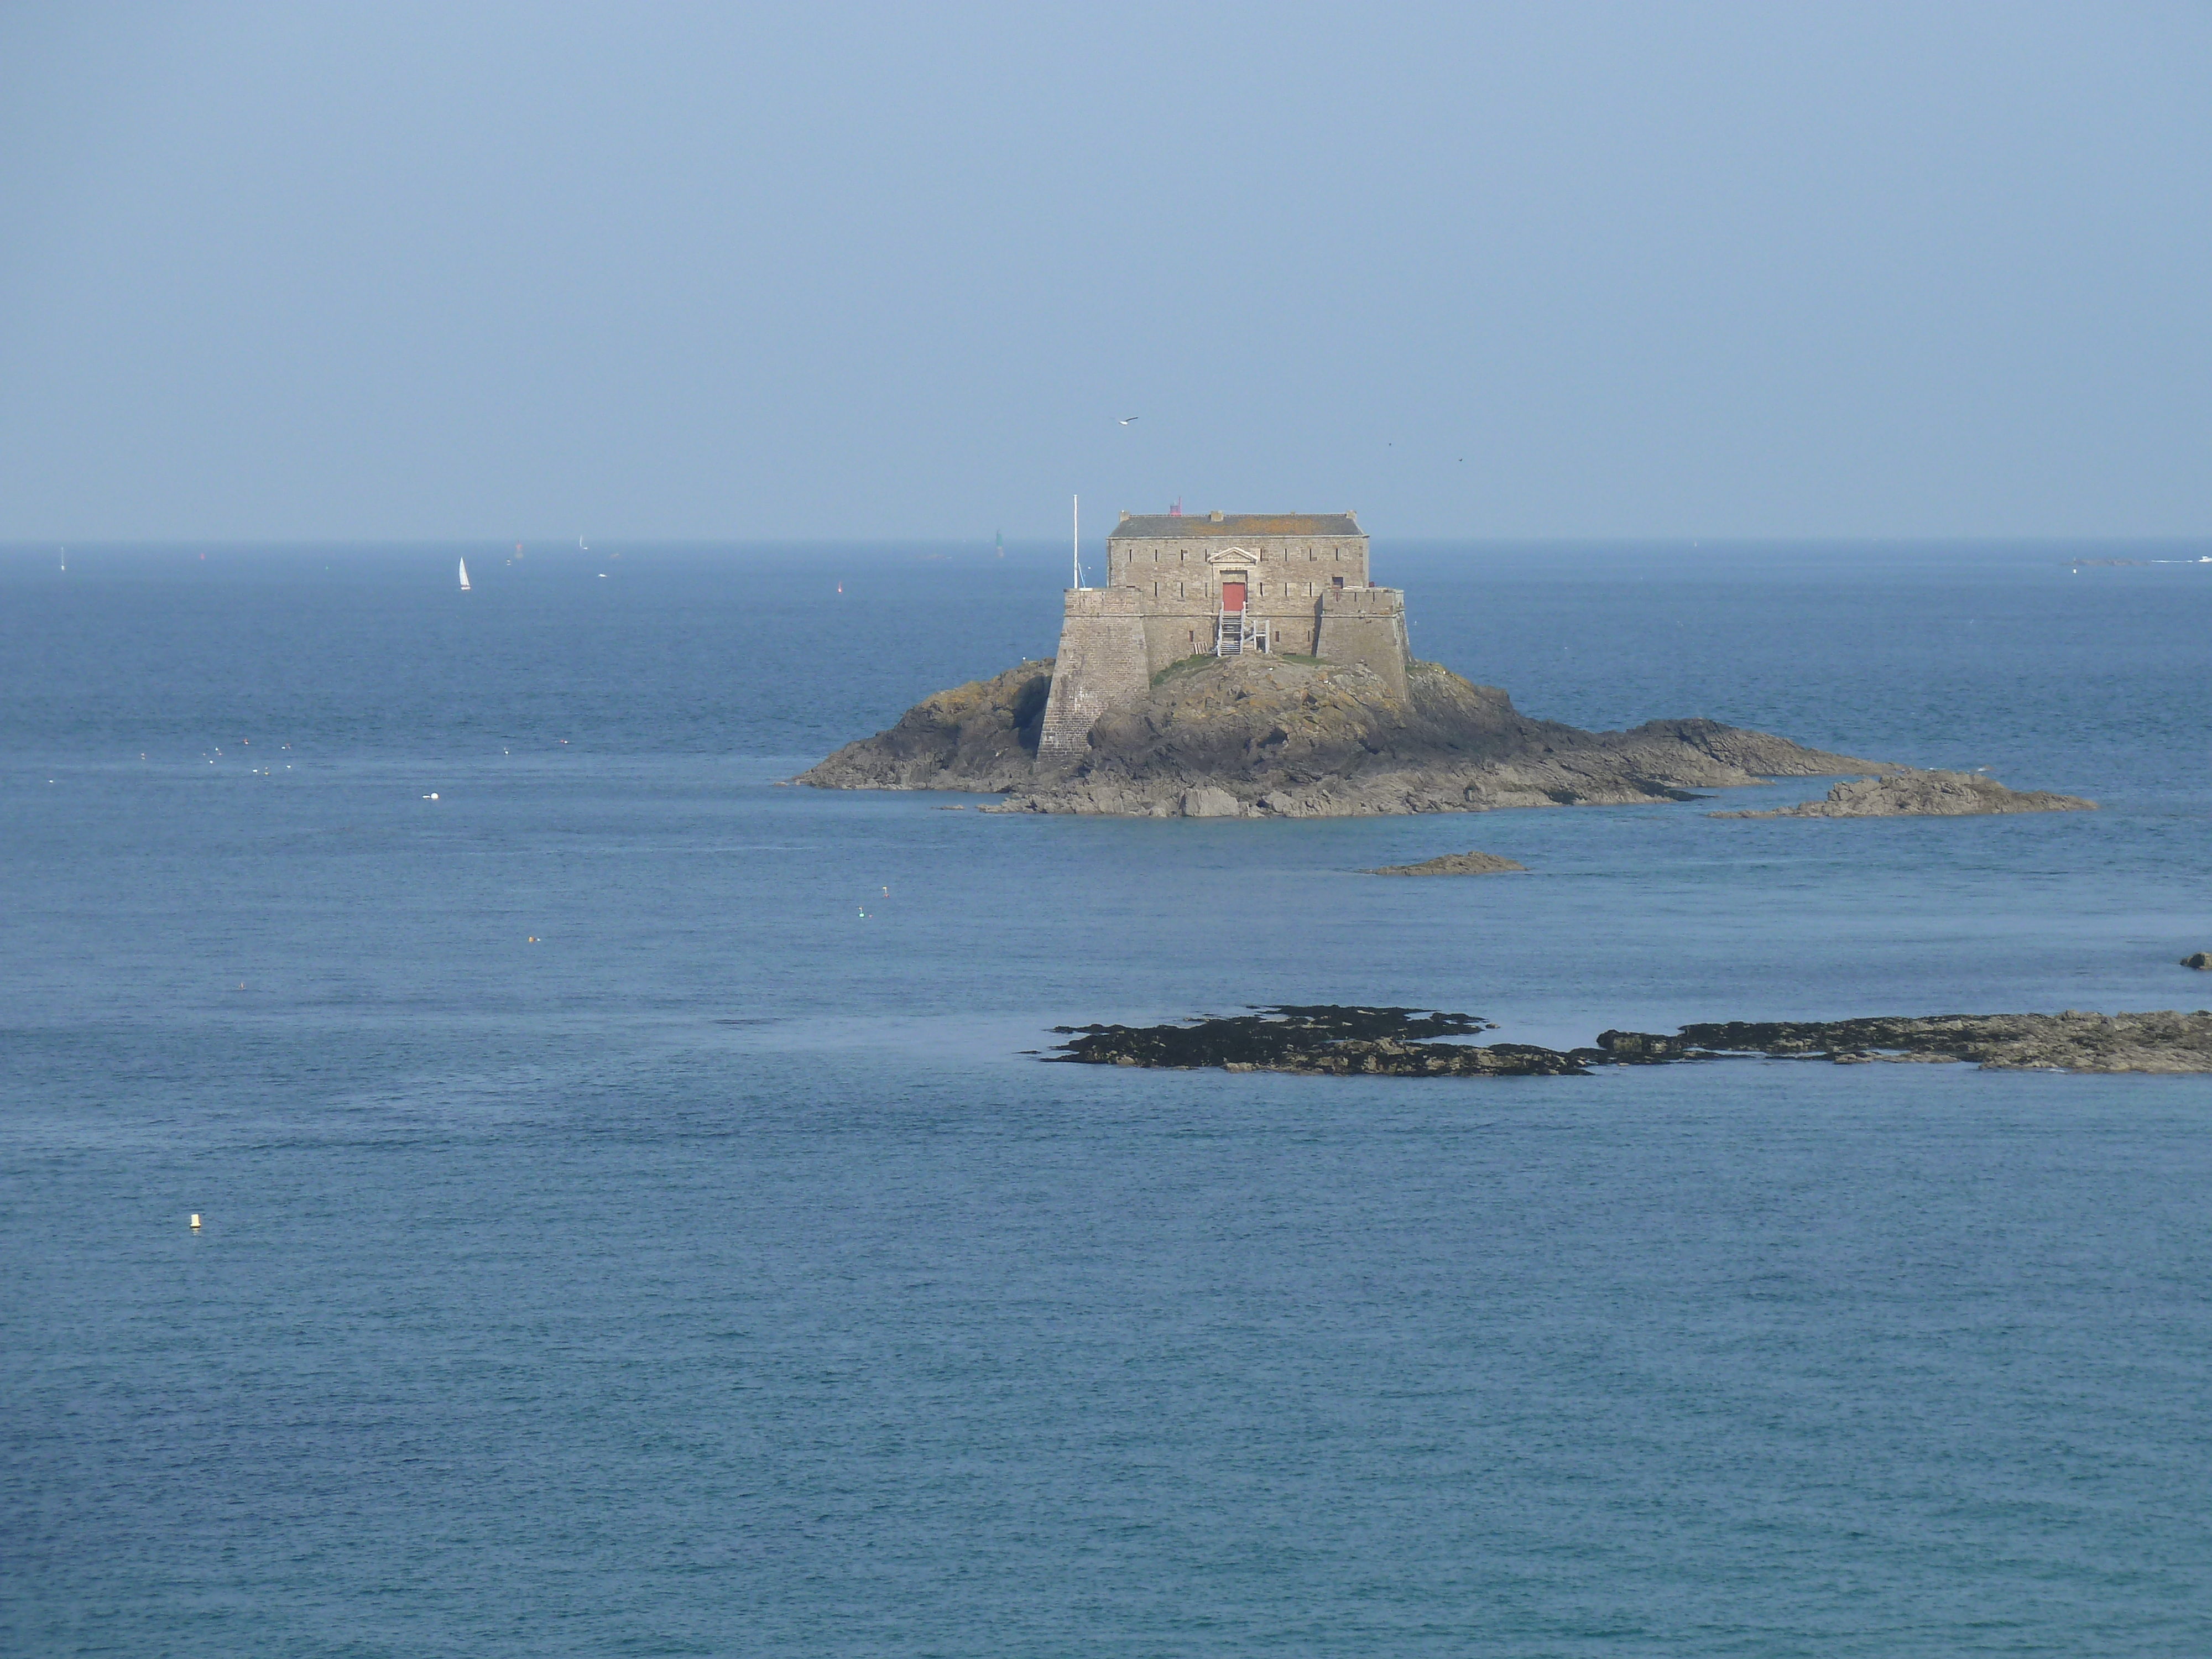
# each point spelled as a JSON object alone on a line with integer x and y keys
{"x": 47, "y": 543}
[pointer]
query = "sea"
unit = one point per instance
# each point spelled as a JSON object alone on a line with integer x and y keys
{"x": 637, "y": 1218}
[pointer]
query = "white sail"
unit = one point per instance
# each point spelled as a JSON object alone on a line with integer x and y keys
{"x": 464, "y": 575}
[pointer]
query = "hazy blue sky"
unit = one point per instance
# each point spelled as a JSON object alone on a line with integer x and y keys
{"x": 455, "y": 271}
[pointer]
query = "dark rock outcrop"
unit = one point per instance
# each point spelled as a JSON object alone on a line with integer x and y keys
{"x": 982, "y": 736}
{"x": 1397, "y": 1042}
{"x": 1269, "y": 736}
{"x": 1323, "y": 1039}
{"x": 1453, "y": 864}
{"x": 1904, "y": 794}
{"x": 2071, "y": 1041}
{"x": 2202, "y": 959}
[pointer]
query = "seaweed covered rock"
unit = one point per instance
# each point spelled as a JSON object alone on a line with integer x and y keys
{"x": 2071, "y": 1041}
{"x": 1319, "y": 1039}
{"x": 1403, "y": 1042}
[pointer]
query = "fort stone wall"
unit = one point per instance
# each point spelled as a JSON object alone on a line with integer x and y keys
{"x": 1365, "y": 625}
{"x": 1306, "y": 593}
{"x": 1155, "y": 563}
{"x": 1104, "y": 660}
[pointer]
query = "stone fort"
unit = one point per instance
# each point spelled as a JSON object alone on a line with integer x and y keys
{"x": 1217, "y": 585}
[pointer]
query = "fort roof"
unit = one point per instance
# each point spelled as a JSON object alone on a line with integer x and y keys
{"x": 1168, "y": 526}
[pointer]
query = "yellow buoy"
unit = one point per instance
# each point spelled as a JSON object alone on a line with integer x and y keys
{"x": 196, "y": 1221}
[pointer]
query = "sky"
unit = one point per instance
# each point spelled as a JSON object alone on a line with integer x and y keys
{"x": 667, "y": 272}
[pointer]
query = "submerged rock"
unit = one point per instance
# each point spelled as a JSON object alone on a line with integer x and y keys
{"x": 1453, "y": 864}
{"x": 1902, "y": 793}
{"x": 1273, "y": 737}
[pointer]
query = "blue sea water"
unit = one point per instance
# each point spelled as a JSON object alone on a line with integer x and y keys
{"x": 635, "y": 1222}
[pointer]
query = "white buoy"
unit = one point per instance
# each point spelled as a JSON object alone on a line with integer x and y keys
{"x": 196, "y": 1221}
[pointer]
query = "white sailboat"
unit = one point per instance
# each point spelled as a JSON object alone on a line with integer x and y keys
{"x": 464, "y": 575}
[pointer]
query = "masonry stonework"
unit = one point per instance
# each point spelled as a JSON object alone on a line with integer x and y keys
{"x": 1103, "y": 660}
{"x": 1223, "y": 584}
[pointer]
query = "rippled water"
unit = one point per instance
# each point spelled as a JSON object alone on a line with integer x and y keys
{"x": 631, "y": 1228}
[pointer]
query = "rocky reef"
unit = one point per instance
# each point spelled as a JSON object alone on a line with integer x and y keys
{"x": 2071, "y": 1041}
{"x": 1912, "y": 794}
{"x": 2202, "y": 960}
{"x": 1283, "y": 737}
{"x": 1398, "y": 1043}
{"x": 1322, "y": 1039}
{"x": 1453, "y": 864}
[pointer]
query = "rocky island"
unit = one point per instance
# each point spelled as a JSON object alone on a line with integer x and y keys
{"x": 1244, "y": 665}
{"x": 1270, "y": 736}
{"x": 1342, "y": 1042}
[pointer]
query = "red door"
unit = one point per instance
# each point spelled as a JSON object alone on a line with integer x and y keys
{"x": 1232, "y": 596}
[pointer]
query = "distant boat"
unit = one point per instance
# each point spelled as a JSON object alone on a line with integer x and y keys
{"x": 464, "y": 575}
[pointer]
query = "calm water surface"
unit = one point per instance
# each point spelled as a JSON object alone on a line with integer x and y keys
{"x": 634, "y": 1223}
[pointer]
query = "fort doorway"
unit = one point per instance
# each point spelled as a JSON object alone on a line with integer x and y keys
{"x": 1232, "y": 596}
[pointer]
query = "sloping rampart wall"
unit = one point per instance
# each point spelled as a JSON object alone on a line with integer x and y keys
{"x": 1103, "y": 660}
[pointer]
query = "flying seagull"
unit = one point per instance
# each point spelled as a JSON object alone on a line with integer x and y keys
{"x": 1126, "y": 419}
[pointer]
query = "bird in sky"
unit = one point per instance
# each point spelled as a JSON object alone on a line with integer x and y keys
{"x": 1126, "y": 419}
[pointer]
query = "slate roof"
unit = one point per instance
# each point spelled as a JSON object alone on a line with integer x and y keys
{"x": 1192, "y": 526}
